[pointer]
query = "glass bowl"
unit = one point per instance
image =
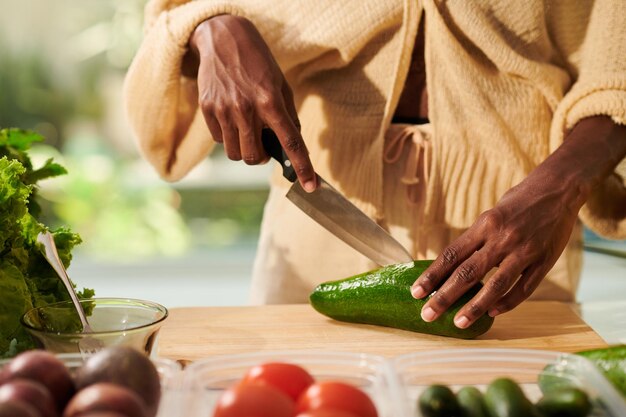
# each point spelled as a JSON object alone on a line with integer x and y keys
{"x": 115, "y": 321}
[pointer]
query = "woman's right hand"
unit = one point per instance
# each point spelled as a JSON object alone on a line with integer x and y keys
{"x": 241, "y": 89}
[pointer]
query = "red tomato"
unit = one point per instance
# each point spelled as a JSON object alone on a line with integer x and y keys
{"x": 255, "y": 400}
{"x": 289, "y": 378}
{"x": 337, "y": 396}
{"x": 326, "y": 412}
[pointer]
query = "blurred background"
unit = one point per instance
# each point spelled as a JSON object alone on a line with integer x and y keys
{"x": 62, "y": 65}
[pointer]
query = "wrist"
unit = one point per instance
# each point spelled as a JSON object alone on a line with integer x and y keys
{"x": 205, "y": 30}
{"x": 590, "y": 152}
{"x": 200, "y": 40}
{"x": 598, "y": 145}
{"x": 199, "y": 34}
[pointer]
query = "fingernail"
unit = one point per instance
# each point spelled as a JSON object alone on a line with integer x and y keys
{"x": 418, "y": 291}
{"x": 461, "y": 322}
{"x": 428, "y": 314}
{"x": 309, "y": 186}
{"x": 493, "y": 312}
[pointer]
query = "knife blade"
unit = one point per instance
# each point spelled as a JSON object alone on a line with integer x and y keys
{"x": 336, "y": 213}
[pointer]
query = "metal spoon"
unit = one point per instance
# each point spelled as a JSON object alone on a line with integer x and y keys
{"x": 87, "y": 345}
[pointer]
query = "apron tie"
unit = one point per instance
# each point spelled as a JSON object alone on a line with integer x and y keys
{"x": 418, "y": 138}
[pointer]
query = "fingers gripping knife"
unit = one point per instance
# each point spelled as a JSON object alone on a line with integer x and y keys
{"x": 337, "y": 214}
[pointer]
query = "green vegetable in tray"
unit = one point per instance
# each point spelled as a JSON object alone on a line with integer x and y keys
{"x": 26, "y": 279}
{"x": 505, "y": 398}
{"x": 439, "y": 401}
{"x": 565, "y": 402}
{"x": 383, "y": 297}
{"x": 611, "y": 362}
{"x": 472, "y": 402}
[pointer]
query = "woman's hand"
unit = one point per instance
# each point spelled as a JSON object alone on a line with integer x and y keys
{"x": 527, "y": 230}
{"x": 241, "y": 89}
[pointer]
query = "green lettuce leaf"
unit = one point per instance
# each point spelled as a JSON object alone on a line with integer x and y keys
{"x": 26, "y": 278}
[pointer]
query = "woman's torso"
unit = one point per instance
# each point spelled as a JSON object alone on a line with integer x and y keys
{"x": 413, "y": 103}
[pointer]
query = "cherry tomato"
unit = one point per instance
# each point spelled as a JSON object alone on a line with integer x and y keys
{"x": 289, "y": 378}
{"x": 256, "y": 400}
{"x": 326, "y": 412}
{"x": 338, "y": 396}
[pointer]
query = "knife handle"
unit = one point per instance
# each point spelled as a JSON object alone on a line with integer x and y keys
{"x": 275, "y": 150}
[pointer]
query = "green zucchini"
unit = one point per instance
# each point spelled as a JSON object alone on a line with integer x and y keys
{"x": 382, "y": 297}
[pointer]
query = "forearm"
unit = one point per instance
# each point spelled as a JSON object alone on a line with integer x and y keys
{"x": 526, "y": 231}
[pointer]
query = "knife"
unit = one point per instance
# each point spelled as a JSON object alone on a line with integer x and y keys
{"x": 336, "y": 213}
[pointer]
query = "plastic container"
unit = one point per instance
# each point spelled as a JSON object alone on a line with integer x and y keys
{"x": 206, "y": 379}
{"x": 478, "y": 367}
{"x": 169, "y": 372}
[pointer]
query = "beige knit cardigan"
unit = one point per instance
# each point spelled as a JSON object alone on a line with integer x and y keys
{"x": 506, "y": 80}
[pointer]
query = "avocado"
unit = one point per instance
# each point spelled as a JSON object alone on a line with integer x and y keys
{"x": 383, "y": 297}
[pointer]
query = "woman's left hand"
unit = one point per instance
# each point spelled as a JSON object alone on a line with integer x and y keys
{"x": 526, "y": 231}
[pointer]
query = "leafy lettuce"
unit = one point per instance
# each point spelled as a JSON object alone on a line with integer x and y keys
{"x": 26, "y": 278}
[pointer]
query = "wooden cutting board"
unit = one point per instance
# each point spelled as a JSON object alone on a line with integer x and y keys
{"x": 193, "y": 333}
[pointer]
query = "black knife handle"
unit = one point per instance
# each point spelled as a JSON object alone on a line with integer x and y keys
{"x": 275, "y": 150}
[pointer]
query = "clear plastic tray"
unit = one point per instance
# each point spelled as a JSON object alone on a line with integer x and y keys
{"x": 478, "y": 367}
{"x": 393, "y": 384}
{"x": 169, "y": 373}
{"x": 205, "y": 380}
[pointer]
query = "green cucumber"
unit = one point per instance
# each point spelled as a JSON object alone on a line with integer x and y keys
{"x": 504, "y": 398}
{"x": 565, "y": 402}
{"x": 472, "y": 402}
{"x": 383, "y": 297}
{"x": 611, "y": 361}
{"x": 438, "y": 401}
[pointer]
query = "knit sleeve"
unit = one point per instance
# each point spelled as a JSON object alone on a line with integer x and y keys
{"x": 599, "y": 89}
{"x": 304, "y": 36}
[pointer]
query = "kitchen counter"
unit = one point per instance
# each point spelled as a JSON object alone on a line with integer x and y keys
{"x": 221, "y": 278}
{"x": 192, "y": 333}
